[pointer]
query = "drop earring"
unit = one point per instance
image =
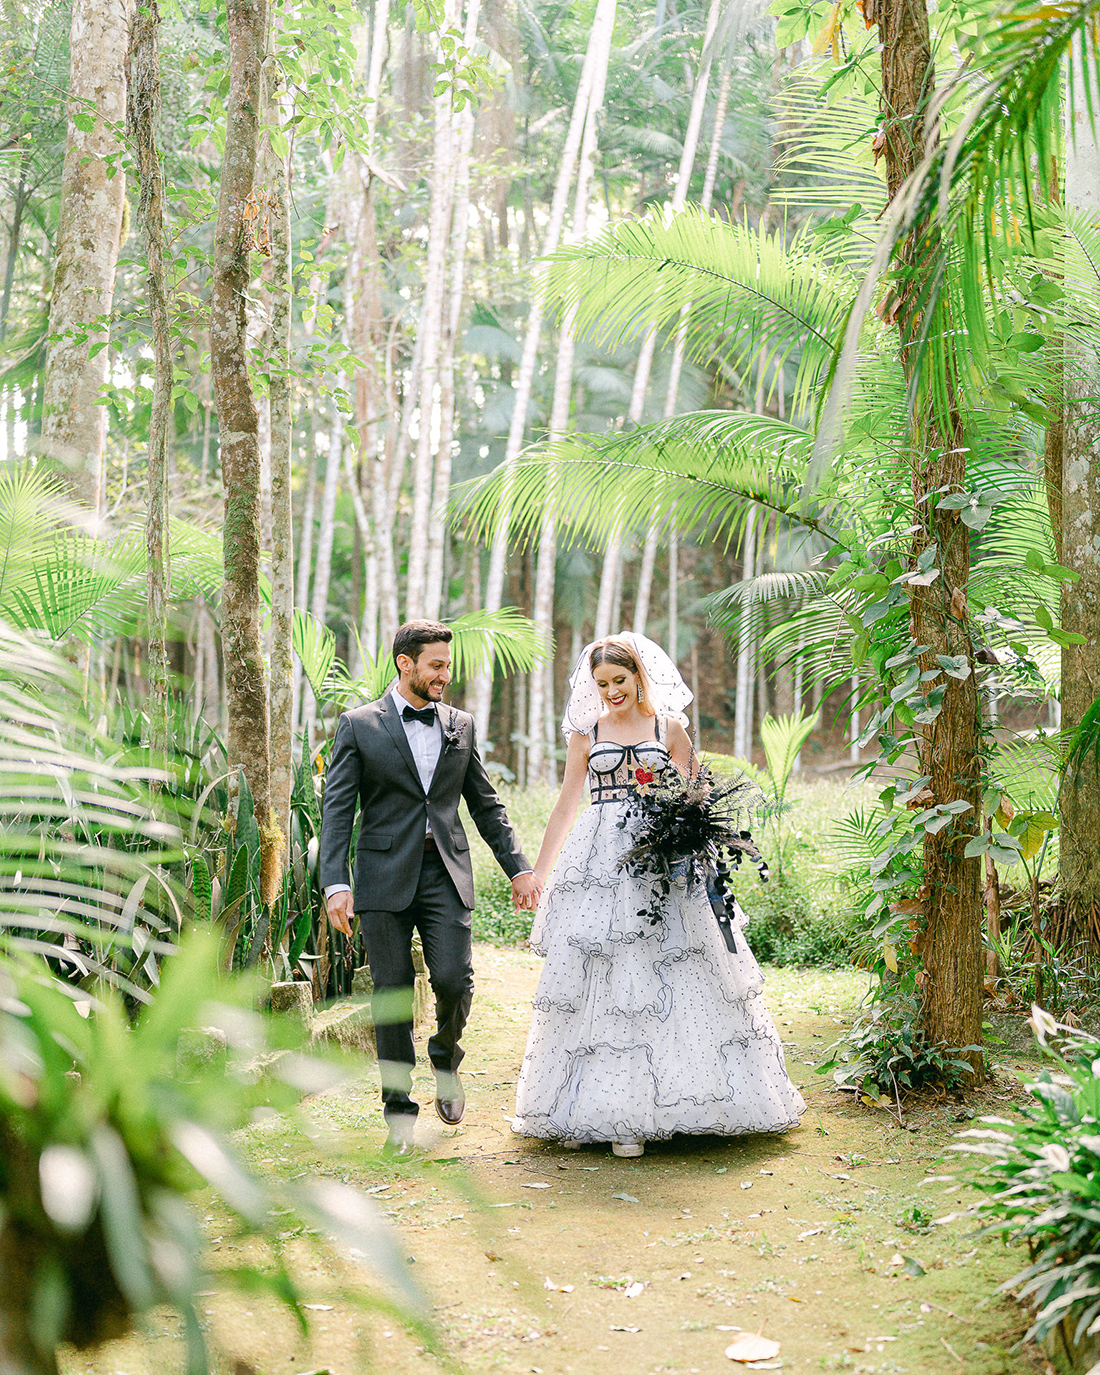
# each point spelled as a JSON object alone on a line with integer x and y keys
{"x": 641, "y": 694}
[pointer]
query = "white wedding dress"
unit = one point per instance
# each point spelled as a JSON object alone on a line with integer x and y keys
{"x": 641, "y": 1030}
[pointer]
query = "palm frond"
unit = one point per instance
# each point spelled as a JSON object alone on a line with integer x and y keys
{"x": 753, "y": 300}
{"x": 969, "y": 202}
{"x": 701, "y": 472}
{"x": 80, "y": 842}
{"x": 506, "y": 638}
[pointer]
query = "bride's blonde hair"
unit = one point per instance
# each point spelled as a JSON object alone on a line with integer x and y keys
{"x": 612, "y": 650}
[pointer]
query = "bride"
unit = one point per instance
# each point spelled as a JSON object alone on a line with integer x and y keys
{"x": 640, "y": 1030}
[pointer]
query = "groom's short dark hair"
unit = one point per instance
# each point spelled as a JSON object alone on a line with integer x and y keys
{"x": 414, "y": 635}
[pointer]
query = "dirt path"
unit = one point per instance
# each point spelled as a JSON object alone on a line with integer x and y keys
{"x": 824, "y": 1239}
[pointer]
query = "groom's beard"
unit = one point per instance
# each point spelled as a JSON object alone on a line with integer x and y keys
{"x": 427, "y": 692}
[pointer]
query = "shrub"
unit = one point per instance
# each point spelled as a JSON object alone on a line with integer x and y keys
{"x": 1040, "y": 1172}
{"x": 885, "y": 1053}
{"x": 787, "y": 925}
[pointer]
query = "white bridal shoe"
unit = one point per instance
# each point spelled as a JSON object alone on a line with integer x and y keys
{"x": 628, "y": 1149}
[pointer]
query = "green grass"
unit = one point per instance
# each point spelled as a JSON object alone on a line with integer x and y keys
{"x": 796, "y": 919}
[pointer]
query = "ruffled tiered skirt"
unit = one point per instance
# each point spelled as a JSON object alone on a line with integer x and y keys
{"x": 640, "y": 1029}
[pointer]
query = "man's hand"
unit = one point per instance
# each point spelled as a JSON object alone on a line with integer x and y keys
{"x": 341, "y": 911}
{"x": 526, "y": 891}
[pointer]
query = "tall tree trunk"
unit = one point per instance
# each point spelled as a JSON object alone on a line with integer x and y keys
{"x": 541, "y": 691}
{"x": 1079, "y": 854}
{"x": 281, "y": 687}
{"x": 431, "y": 319}
{"x": 322, "y": 573}
{"x": 93, "y": 190}
{"x": 612, "y": 569}
{"x": 482, "y": 686}
{"x": 746, "y": 677}
{"x": 143, "y": 110}
{"x": 452, "y": 317}
{"x": 951, "y": 979}
{"x": 238, "y": 430}
{"x": 672, "y": 392}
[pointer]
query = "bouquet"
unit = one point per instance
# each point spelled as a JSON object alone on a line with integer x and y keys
{"x": 692, "y": 829}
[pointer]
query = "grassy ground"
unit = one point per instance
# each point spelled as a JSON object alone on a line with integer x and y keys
{"x": 825, "y": 1239}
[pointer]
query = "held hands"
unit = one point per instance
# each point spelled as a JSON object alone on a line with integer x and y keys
{"x": 341, "y": 912}
{"x": 526, "y": 891}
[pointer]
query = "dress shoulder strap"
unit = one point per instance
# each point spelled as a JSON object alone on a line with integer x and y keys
{"x": 660, "y": 728}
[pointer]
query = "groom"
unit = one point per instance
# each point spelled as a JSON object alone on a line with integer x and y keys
{"x": 407, "y": 760}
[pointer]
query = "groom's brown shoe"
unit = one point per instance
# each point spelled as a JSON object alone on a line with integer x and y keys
{"x": 450, "y": 1102}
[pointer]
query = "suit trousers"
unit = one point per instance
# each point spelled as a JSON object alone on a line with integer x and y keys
{"x": 444, "y": 924}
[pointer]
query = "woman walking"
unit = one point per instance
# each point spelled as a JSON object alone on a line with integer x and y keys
{"x": 641, "y": 1029}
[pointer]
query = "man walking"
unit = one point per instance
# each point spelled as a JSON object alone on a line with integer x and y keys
{"x": 407, "y": 760}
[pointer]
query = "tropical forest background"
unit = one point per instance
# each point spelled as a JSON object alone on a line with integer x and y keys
{"x": 768, "y": 332}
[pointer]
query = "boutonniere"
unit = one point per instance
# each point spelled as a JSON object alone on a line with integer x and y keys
{"x": 454, "y": 732}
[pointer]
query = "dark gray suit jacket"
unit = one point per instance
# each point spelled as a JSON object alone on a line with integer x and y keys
{"x": 371, "y": 764}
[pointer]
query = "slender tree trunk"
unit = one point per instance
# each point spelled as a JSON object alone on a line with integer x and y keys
{"x": 245, "y": 678}
{"x": 951, "y": 979}
{"x": 281, "y": 689}
{"x": 431, "y": 321}
{"x": 452, "y": 318}
{"x": 1079, "y": 853}
{"x": 322, "y": 573}
{"x": 482, "y": 686}
{"x": 543, "y": 611}
{"x": 93, "y": 189}
{"x": 614, "y": 555}
{"x": 672, "y": 393}
{"x": 743, "y": 713}
{"x": 143, "y": 61}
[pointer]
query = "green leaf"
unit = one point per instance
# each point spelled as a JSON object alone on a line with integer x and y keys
{"x": 201, "y": 888}
{"x": 84, "y": 120}
{"x": 1065, "y": 638}
{"x": 1043, "y": 617}
{"x": 954, "y": 665}
{"x": 1034, "y": 560}
{"x": 977, "y": 845}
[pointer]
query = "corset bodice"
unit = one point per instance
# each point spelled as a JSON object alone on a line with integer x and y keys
{"x": 613, "y": 768}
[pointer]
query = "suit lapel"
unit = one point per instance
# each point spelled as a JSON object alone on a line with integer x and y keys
{"x": 446, "y": 715}
{"x": 393, "y": 724}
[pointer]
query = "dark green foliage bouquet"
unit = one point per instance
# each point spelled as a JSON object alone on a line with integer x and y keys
{"x": 685, "y": 829}
{"x": 1040, "y": 1172}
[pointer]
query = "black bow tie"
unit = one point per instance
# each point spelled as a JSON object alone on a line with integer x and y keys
{"x": 425, "y": 717}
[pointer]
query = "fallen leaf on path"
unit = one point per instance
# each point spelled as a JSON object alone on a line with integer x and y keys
{"x": 548, "y": 1283}
{"x": 633, "y": 1290}
{"x": 591, "y": 1169}
{"x": 540, "y": 1184}
{"x": 746, "y": 1184}
{"x": 625, "y": 1329}
{"x": 318, "y": 1307}
{"x": 626, "y": 1198}
{"x": 811, "y": 1233}
{"x": 725, "y": 1327}
{"x": 489, "y": 1255}
{"x": 749, "y": 1347}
